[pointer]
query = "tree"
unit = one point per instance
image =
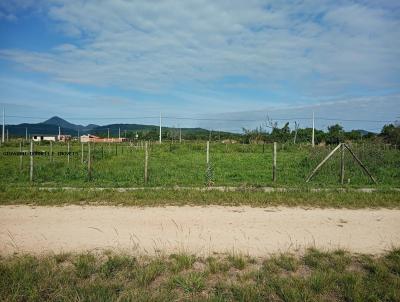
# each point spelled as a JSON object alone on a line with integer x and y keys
{"x": 391, "y": 134}
{"x": 335, "y": 135}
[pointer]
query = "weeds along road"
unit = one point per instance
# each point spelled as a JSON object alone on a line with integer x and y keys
{"x": 199, "y": 230}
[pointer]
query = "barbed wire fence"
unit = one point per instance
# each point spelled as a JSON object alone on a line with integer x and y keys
{"x": 217, "y": 169}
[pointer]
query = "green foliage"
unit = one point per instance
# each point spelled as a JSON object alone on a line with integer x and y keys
{"x": 335, "y": 135}
{"x": 182, "y": 262}
{"x": 391, "y": 134}
{"x": 237, "y": 261}
{"x": 191, "y": 283}
{"x": 209, "y": 177}
{"x": 184, "y": 165}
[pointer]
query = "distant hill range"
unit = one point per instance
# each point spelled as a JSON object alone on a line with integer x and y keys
{"x": 51, "y": 125}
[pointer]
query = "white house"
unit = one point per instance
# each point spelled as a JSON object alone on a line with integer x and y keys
{"x": 45, "y": 137}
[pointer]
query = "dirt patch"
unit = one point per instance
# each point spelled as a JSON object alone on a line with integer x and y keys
{"x": 198, "y": 230}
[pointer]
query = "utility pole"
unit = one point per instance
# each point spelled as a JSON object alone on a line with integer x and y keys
{"x": 4, "y": 125}
{"x": 313, "y": 127}
{"x": 160, "y": 128}
{"x": 180, "y": 134}
{"x": 296, "y": 127}
{"x": 7, "y": 135}
{"x": 59, "y": 133}
{"x": 26, "y": 134}
{"x": 119, "y": 133}
{"x": 125, "y": 133}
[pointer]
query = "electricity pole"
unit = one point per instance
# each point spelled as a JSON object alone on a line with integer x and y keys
{"x": 313, "y": 127}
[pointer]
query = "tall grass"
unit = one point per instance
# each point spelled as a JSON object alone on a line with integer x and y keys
{"x": 185, "y": 165}
{"x": 315, "y": 276}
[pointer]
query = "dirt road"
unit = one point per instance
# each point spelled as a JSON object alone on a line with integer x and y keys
{"x": 200, "y": 230}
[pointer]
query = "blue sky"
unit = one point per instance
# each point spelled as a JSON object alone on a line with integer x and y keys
{"x": 95, "y": 61}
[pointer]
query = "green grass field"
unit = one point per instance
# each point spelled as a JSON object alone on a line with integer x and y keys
{"x": 315, "y": 276}
{"x": 185, "y": 165}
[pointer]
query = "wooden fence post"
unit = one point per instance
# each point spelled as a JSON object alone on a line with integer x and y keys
{"x": 68, "y": 152}
{"x": 323, "y": 162}
{"x": 360, "y": 163}
{"x": 274, "y": 164}
{"x": 342, "y": 164}
{"x": 51, "y": 151}
{"x": 82, "y": 154}
{"x": 208, "y": 152}
{"x": 89, "y": 163}
{"x": 20, "y": 156}
{"x": 31, "y": 163}
{"x": 146, "y": 158}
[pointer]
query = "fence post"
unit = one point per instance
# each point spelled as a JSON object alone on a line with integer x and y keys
{"x": 89, "y": 163}
{"x": 274, "y": 164}
{"x": 208, "y": 152}
{"x": 68, "y": 151}
{"x": 31, "y": 163}
{"x": 116, "y": 149}
{"x": 82, "y": 154}
{"x": 20, "y": 156}
{"x": 146, "y": 158}
{"x": 51, "y": 151}
{"x": 342, "y": 164}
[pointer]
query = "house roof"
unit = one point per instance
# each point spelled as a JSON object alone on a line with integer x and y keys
{"x": 90, "y": 135}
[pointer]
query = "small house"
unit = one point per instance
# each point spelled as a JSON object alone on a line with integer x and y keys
{"x": 63, "y": 137}
{"x": 44, "y": 137}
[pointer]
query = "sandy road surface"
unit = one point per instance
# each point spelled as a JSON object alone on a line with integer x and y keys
{"x": 201, "y": 230}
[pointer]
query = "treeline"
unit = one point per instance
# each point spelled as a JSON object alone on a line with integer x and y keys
{"x": 335, "y": 134}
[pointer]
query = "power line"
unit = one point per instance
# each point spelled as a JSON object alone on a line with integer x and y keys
{"x": 208, "y": 119}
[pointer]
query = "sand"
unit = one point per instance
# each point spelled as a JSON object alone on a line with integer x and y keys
{"x": 198, "y": 230}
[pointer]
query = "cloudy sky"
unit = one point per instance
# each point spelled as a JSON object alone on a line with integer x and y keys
{"x": 233, "y": 62}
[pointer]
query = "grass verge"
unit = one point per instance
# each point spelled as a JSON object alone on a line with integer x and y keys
{"x": 336, "y": 199}
{"x": 315, "y": 276}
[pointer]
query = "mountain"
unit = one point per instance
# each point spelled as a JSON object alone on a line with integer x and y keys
{"x": 364, "y": 132}
{"x": 51, "y": 125}
{"x": 58, "y": 121}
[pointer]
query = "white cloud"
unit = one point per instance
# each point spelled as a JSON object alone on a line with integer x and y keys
{"x": 7, "y": 17}
{"x": 314, "y": 48}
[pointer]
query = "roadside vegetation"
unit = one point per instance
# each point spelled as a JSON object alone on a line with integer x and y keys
{"x": 106, "y": 276}
{"x": 165, "y": 197}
